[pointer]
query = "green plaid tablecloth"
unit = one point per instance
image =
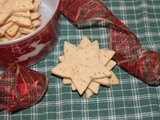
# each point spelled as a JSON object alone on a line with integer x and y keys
{"x": 131, "y": 100}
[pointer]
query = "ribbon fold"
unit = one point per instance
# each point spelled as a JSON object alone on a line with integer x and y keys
{"x": 143, "y": 64}
{"x": 21, "y": 88}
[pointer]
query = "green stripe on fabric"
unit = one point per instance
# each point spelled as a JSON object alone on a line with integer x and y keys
{"x": 100, "y": 13}
{"x": 72, "y": 7}
{"x": 66, "y": 3}
{"x": 146, "y": 66}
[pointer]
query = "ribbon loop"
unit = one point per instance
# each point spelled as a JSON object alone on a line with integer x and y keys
{"x": 21, "y": 88}
{"x": 127, "y": 46}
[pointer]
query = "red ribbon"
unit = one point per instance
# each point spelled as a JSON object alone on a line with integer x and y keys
{"x": 140, "y": 63}
{"x": 21, "y": 88}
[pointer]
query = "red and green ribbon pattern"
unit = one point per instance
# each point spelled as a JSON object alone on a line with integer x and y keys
{"x": 143, "y": 64}
{"x": 21, "y": 87}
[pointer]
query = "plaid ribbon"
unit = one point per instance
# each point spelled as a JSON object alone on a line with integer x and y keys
{"x": 143, "y": 64}
{"x": 130, "y": 100}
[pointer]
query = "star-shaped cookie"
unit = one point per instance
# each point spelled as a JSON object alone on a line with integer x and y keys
{"x": 84, "y": 67}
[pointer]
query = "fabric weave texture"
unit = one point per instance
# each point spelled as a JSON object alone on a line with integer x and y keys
{"x": 130, "y": 100}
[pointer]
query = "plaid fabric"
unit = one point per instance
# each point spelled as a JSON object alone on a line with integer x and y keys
{"x": 131, "y": 100}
